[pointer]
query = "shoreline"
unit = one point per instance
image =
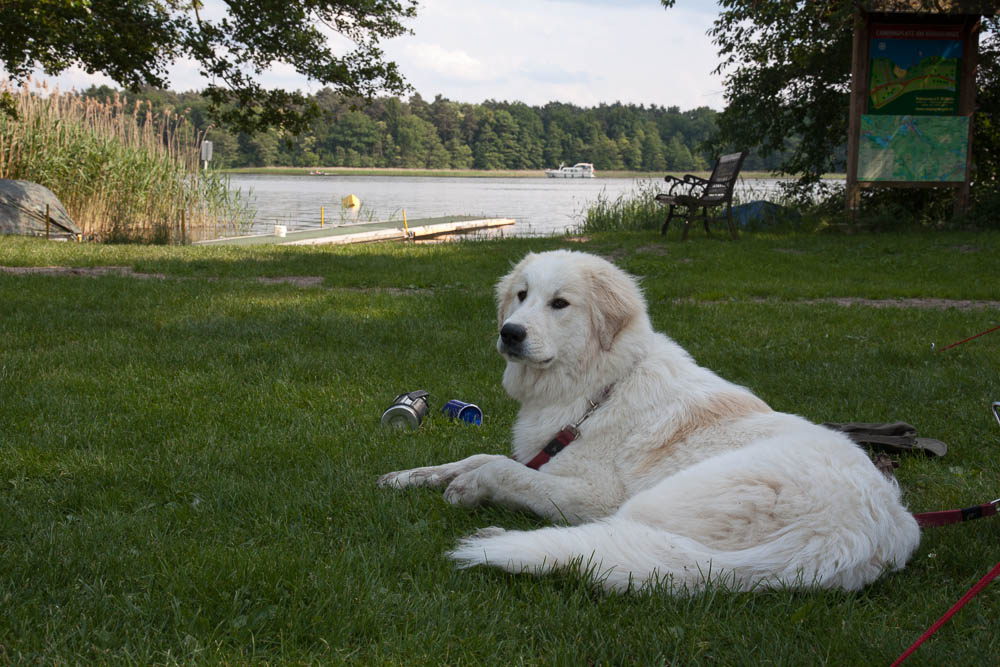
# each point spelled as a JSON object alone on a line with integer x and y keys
{"x": 474, "y": 173}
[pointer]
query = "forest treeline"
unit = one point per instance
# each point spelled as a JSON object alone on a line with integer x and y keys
{"x": 442, "y": 134}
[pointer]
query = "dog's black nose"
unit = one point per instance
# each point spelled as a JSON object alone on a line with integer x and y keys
{"x": 513, "y": 334}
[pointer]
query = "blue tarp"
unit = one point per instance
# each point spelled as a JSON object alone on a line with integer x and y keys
{"x": 759, "y": 214}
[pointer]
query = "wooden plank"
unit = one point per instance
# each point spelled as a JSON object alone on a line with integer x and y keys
{"x": 458, "y": 227}
{"x": 369, "y": 232}
{"x": 345, "y": 239}
{"x": 399, "y": 234}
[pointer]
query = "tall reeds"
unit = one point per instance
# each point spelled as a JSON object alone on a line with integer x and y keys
{"x": 123, "y": 172}
{"x": 633, "y": 211}
{"x": 639, "y": 211}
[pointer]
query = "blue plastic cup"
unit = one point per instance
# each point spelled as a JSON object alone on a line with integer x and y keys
{"x": 467, "y": 412}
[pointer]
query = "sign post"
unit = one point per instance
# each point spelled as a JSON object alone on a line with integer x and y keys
{"x": 206, "y": 152}
{"x": 912, "y": 101}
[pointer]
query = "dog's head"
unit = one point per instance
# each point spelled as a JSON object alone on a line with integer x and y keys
{"x": 563, "y": 306}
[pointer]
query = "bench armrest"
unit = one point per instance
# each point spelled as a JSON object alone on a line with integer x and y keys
{"x": 685, "y": 185}
{"x": 690, "y": 185}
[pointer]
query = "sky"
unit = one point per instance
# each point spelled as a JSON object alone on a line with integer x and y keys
{"x": 583, "y": 52}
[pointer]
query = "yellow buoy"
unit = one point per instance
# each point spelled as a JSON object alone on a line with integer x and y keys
{"x": 351, "y": 201}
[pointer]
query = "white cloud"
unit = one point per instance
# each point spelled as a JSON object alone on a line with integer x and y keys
{"x": 75, "y": 78}
{"x": 447, "y": 64}
{"x": 584, "y": 52}
{"x": 580, "y": 52}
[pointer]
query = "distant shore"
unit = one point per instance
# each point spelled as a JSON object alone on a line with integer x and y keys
{"x": 466, "y": 173}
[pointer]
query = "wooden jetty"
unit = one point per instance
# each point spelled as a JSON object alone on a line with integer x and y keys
{"x": 370, "y": 232}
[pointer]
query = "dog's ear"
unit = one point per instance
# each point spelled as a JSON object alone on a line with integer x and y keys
{"x": 617, "y": 301}
{"x": 505, "y": 291}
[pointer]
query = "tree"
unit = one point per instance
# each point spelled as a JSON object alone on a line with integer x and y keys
{"x": 787, "y": 67}
{"x": 652, "y": 149}
{"x": 487, "y": 149}
{"x": 416, "y": 139}
{"x": 494, "y": 135}
{"x": 604, "y": 154}
{"x": 446, "y": 118}
{"x": 461, "y": 154}
{"x": 261, "y": 150}
{"x": 986, "y": 149}
{"x": 530, "y": 135}
{"x": 352, "y": 131}
{"x": 677, "y": 156}
{"x": 788, "y": 70}
{"x": 134, "y": 41}
{"x": 631, "y": 151}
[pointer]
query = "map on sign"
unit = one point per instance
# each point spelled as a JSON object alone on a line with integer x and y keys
{"x": 913, "y": 148}
{"x": 914, "y": 70}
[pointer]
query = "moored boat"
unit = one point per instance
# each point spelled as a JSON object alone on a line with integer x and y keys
{"x": 578, "y": 170}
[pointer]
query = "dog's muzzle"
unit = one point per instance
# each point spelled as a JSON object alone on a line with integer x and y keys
{"x": 512, "y": 337}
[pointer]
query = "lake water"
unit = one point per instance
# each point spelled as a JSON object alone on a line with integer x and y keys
{"x": 540, "y": 206}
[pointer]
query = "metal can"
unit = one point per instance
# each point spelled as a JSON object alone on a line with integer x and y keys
{"x": 467, "y": 412}
{"x": 407, "y": 410}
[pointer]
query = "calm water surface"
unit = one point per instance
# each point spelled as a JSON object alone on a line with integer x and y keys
{"x": 541, "y": 206}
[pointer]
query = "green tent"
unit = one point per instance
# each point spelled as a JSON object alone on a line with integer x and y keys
{"x": 23, "y": 209}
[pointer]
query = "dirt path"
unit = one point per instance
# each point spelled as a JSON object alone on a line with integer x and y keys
{"x": 929, "y": 303}
{"x": 317, "y": 281}
{"x": 129, "y": 272}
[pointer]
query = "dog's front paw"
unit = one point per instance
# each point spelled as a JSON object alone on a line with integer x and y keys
{"x": 465, "y": 490}
{"x": 402, "y": 479}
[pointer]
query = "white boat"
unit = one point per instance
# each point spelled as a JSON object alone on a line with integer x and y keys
{"x": 578, "y": 170}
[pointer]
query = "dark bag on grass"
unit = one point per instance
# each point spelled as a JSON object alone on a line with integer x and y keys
{"x": 896, "y": 437}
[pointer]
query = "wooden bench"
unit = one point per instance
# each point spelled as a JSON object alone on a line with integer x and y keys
{"x": 693, "y": 192}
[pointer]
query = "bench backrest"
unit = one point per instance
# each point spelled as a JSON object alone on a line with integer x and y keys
{"x": 723, "y": 179}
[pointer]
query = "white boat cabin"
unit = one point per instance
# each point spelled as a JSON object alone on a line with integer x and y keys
{"x": 578, "y": 170}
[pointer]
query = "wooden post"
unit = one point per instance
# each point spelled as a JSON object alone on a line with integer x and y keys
{"x": 859, "y": 99}
{"x": 967, "y": 102}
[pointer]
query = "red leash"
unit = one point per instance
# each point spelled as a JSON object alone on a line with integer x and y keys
{"x": 969, "y": 338}
{"x": 980, "y": 585}
{"x": 943, "y": 518}
{"x": 556, "y": 445}
{"x": 567, "y": 435}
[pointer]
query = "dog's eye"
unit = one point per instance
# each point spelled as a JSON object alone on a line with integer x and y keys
{"x": 559, "y": 303}
{"x": 522, "y": 295}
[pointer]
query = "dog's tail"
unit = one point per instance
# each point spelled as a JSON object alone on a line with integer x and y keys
{"x": 621, "y": 554}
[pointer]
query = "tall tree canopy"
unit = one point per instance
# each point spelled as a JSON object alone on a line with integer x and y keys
{"x": 445, "y": 134}
{"x": 787, "y": 68}
{"x": 233, "y": 42}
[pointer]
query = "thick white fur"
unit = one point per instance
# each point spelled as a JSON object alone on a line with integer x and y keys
{"x": 679, "y": 476}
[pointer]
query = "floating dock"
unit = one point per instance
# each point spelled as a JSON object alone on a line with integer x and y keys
{"x": 370, "y": 232}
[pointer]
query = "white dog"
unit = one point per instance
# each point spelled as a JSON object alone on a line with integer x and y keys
{"x": 673, "y": 474}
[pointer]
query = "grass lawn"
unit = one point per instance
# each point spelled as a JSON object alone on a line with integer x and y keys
{"x": 189, "y": 449}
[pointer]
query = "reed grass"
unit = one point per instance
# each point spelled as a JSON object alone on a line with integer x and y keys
{"x": 123, "y": 172}
{"x": 638, "y": 210}
{"x": 632, "y": 211}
